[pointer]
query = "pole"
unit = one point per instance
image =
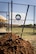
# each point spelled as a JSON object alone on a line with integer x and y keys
{"x": 11, "y": 15}
{"x": 8, "y": 16}
{"x": 34, "y": 20}
{"x": 25, "y": 20}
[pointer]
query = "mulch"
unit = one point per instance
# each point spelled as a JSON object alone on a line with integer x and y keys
{"x": 13, "y": 44}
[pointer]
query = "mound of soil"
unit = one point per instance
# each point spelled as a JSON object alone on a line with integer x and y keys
{"x": 12, "y": 44}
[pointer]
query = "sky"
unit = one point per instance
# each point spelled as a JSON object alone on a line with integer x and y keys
{"x": 20, "y": 9}
{"x": 31, "y": 2}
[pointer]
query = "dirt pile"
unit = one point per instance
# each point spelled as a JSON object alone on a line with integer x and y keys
{"x": 12, "y": 44}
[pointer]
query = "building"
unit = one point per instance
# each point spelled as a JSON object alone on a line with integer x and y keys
{"x": 3, "y": 22}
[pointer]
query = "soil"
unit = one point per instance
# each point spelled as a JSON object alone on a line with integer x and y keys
{"x": 13, "y": 44}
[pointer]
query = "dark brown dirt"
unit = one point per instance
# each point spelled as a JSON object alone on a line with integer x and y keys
{"x": 12, "y": 44}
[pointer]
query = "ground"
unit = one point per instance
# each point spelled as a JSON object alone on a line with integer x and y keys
{"x": 28, "y": 34}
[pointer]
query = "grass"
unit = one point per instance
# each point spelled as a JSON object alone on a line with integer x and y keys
{"x": 26, "y": 31}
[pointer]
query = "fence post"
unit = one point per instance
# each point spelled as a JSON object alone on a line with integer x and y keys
{"x": 34, "y": 21}
{"x": 11, "y": 14}
{"x": 8, "y": 17}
